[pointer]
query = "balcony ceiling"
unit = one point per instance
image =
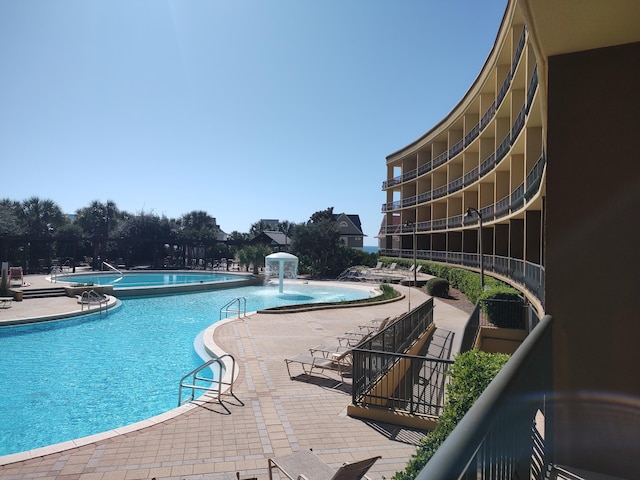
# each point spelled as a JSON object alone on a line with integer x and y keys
{"x": 564, "y": 26}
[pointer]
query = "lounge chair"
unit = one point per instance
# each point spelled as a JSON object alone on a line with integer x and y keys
{"x": 332, "y": 350}
{"x": 306, "y": 465}
{"x": 358, "y": 336}
{"x": 374, "y": 324}
{"x": 340, "y": 362}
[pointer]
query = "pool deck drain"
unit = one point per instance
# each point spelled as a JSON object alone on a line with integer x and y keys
{"x": 279, "y": 414}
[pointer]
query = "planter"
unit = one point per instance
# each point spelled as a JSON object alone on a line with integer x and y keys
{"x": 77, "y": 291}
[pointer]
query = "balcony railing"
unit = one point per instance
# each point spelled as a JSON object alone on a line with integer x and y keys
{"x": 487, "y": 164}
{"x": 409, "y": 202}
{"x": 503, "y": 148}
{"x": 488, "y": 116}
{"x": 472, "y": 135}
{"x": 455, "y": 185}
{"x": 530, "y": 276}
{"x": 440, "y": 159}
{"x": 517, "y": 198}
{"x": 534, "y": 178}
{"x": 533, "y": 85}
{"x": 504, "y": 434}
{"x": 422, "y": 169}
{"x": 471, "y": 176}
{"x": 502, "y": 207}
{"x": 517, "y": 126}
{"x": 504, "y": 89}
{"x": 439, "y": 192}
{"x": 456, "y": 148}
{"x": 519, "y": 49}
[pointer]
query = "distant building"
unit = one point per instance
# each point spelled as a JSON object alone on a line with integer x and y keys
{"x": 350, "y": 229}
{"x": 273, "y": 238}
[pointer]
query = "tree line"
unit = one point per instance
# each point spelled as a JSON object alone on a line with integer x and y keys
{"x": 37, "y": 235}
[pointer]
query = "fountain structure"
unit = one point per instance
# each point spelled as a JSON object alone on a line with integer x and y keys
{"x": 285, "y": 264}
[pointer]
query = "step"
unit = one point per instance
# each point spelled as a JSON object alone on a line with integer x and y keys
{"x": 43, "y": 292}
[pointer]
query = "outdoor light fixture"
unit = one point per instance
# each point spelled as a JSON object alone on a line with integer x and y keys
{"x": 471, "y": 210}
{"x": 415, "y": 259}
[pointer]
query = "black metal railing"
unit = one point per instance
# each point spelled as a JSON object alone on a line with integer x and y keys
{"x": 385, "y": 377}
{"x": 403, "y": 332}
{"x": 529, "y": 275}
{"x": 503, "y": 435}
{"x": 400, "y": 383}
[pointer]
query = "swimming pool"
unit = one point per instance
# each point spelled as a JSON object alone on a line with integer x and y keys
{"x": 146, "y": 279}
{"x": 72, "y": 378}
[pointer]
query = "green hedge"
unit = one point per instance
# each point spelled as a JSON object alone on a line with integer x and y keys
{"x": 437, "y": 287}
{"x": 470, "y": 375}
{"x": 466, "y": 281}
{"x": 503, "y": 307}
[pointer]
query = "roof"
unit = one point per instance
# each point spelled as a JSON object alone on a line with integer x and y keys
{"x": 349, "y": 224}
{"x": 271, "y": 236}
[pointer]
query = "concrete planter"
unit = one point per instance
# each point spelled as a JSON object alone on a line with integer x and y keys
{"x": 76, "y": 291}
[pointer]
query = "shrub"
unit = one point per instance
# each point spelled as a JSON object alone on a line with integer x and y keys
{"x": 438, "y": 287}
{"x": 503, "y": 307}
{"x": 470, "y": 375}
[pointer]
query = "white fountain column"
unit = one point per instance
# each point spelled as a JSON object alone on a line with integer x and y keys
{"x": 281, "y": 258}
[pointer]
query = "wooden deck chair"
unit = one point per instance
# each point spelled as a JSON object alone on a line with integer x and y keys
{"x": 306, "y": 465}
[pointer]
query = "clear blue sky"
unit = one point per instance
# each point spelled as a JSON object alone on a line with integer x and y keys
{"x": 244, "y": 109}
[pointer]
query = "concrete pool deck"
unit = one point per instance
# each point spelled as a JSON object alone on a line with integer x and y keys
{"x": 272, "y": 415}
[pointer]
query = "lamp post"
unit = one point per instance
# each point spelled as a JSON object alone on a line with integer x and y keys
{"x": 415, "y": 259}
{"x": 471, "y": 210}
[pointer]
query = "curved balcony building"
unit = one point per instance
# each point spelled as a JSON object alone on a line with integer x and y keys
{"x": 486, "y": 157}
{"x": 545, "y": 147}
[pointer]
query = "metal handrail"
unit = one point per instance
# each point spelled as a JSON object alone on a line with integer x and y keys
{"x": 108, "y": 265}
{"x": 240, "y": 312}
{"x": 89, "y": 296}
{"x": 219, "y": 383}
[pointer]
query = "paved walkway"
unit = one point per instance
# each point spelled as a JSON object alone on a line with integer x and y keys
{"x": 272, "y": 415}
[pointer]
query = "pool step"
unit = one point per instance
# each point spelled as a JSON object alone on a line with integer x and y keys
{"x": 43, "y": 292}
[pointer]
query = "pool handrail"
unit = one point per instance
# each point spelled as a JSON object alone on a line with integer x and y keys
{"x": 240, "y": 312}
{"x": 108, "y": 265}
{"x": 220, "y": 383}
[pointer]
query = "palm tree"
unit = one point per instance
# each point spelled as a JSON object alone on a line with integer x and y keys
{"x": 39, "y": 220}
{"x": 198, "y": 229}
{"x": 97, "y": 221}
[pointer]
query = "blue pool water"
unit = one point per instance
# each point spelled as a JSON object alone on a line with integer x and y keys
{"x": 145, "y": 279}
{"x": 71, "y": 378}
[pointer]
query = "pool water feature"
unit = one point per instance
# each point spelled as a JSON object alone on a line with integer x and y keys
{"x": 72, "y": 378}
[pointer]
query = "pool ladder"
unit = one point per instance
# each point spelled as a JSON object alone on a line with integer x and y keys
{"x": 237, "y": 306}
{"x": 91, "y": 296}
{"x": 214, "y": 385}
